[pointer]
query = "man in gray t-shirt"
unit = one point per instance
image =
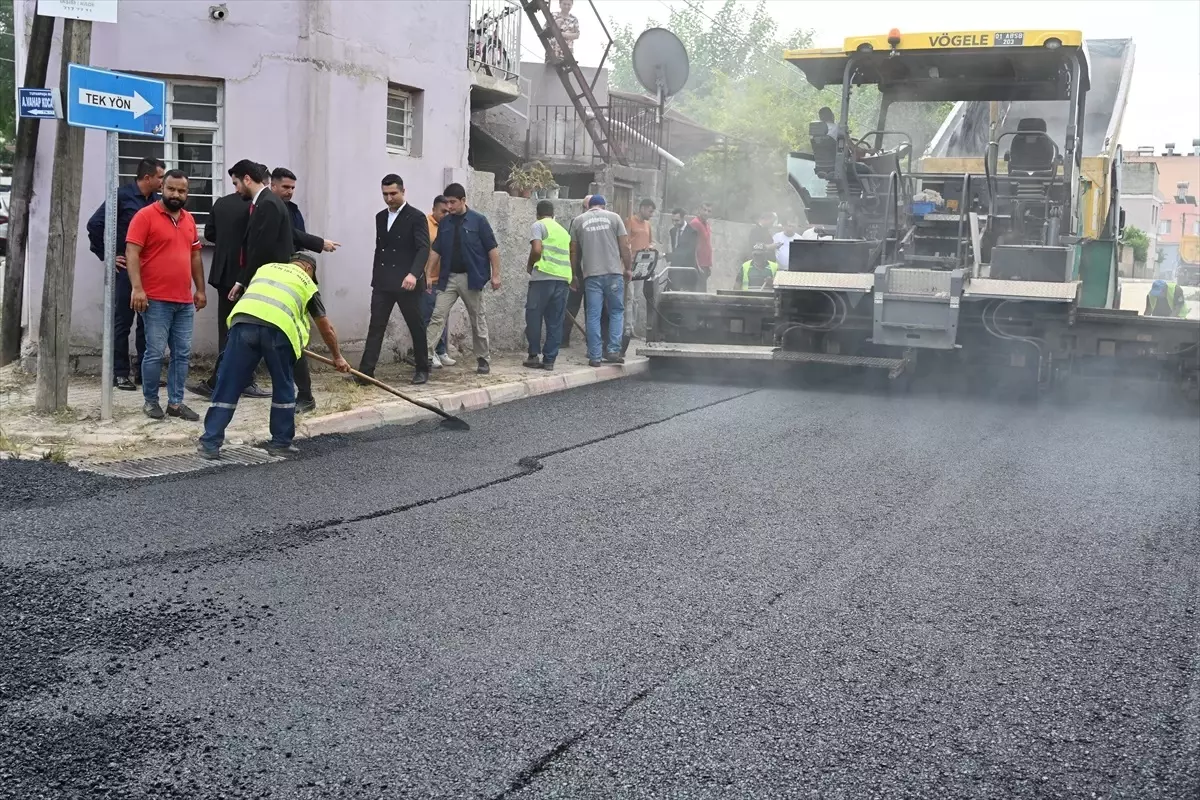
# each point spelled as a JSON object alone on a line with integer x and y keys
{"x": 600, "y": 255}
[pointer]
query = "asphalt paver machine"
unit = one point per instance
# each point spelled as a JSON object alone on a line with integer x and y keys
{"x": 997, "y": 252}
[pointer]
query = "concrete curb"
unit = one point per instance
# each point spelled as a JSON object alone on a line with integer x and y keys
{"x": 395, "y": 412}
{"x": 402, "y": 413}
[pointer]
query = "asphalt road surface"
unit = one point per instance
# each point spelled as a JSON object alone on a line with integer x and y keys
{"x": 635, "y": 590}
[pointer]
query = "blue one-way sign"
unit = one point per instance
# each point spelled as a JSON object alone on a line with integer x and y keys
{"x": 37, "y": 103}
{"x": 114, "y": 101}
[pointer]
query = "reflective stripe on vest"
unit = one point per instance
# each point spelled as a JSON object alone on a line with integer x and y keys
{"x": 771, "y": 265}
{"x": 279, "y": 294}
{"x": 556, "y": 251}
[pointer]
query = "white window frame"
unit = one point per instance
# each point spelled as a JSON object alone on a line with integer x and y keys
{"x": 171, "y": 143}
{"x": 1164, "y": 227}
{"x": 401, "y": 99}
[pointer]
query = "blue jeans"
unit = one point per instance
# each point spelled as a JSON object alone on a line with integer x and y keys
{"x": 248, "y": 344}
{"x": 428, "y": 301}
{"x": 546, "y": 302}
{"x": 601, "y": 290}
{"x": 168, "y": 325}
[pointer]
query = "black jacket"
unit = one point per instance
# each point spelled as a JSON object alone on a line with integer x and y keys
{"x": 401, "y": 251}
{"x": 269, "y": 236}
{"x": 130, "y": 200}
{"x": 226, "y": 228}
{"x": 300, "y": 237}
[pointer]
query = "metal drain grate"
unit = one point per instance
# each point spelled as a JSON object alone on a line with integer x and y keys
{"x": 160, "y": 466}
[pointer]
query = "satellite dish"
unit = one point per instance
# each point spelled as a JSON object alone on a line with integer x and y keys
{"x": 660, "y": 62}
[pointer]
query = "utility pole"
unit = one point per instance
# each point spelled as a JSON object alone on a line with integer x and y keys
{"x": 54, "y": 329}
{"x": 37, "y": 63}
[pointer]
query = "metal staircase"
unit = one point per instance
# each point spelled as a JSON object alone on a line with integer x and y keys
{"x": 590, "y": 111}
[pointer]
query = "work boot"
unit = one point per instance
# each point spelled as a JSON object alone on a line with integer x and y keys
{"x": 595, "y": 363}
{"x": 482, "y": 366}
{"x": 254, "y": 390}
{"x": 548, "y": 365}
{"x": 532, "y": 363}
{"x": 276, "y": 449}
{"x": 183, "y": 412}
{"x": 203, "y": 388}
{"x": 420, "y": 376}
{"x": 125, "y": 384}
{"x": 208, "y": 453}
{"x": 305, "y": 405}
{"x": 153, "y": 411}
{"x": 614, "y": 358}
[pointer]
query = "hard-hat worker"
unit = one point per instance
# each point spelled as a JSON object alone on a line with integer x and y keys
{"x": 1166, "y": 300}
{"x": 759, "y": 271}
{"x": 269, "y": 323}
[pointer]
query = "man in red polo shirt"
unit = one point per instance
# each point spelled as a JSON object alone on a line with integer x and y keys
{"x": 162, "y": 254}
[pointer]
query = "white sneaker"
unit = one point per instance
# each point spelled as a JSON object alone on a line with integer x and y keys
{"x": 445, "y": 359}
{"x": 435, "y": 361}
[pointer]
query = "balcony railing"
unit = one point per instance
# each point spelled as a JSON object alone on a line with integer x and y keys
{"x": 558, "y": 133}
{"x": 494, "y": 39}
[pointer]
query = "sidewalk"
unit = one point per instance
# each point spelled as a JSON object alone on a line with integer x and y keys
{"x": 77, "y": 434}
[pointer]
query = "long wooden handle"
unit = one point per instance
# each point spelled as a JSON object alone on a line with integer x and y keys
{"x": 382, "y": 385}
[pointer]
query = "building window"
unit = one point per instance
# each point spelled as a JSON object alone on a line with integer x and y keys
{"x": 1164, "y": 227}
{"x": 195, "y": 117}
{"x": 401, "y": 110}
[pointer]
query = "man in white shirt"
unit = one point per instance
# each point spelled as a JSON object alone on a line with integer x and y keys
{"x": 783, "y": 243}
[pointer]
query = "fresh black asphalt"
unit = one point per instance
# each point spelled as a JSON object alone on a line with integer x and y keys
{"x": 642, "y": 589}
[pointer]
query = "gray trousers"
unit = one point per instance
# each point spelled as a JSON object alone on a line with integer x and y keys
{"x": 456, "y": 287}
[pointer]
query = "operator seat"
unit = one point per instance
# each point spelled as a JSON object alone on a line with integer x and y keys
{"x": 824, "y": 149}
{"x": 1031, "y": 153}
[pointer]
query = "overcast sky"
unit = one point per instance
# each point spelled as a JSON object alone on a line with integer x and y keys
{"x": 1164, "y": 104}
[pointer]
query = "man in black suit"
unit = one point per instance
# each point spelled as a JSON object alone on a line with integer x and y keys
{"x": 226, "y": 229}
{"x": 398, "y": 276}
{"x": 269, "y": 235}
{"x": 283, "y": 186}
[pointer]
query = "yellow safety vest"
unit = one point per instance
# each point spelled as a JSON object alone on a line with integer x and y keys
{"x": 556, "y": 251}
{"x": 1175, "y": 310}
{"x": 279, "y": 294}
{"x": 771, "y": 265}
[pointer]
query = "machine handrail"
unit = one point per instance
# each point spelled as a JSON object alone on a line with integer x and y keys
{"x": 894, "y": 209}
{"x": 962, "y": 215}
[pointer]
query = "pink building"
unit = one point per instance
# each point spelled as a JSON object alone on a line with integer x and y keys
{"x": 339, "y": 91}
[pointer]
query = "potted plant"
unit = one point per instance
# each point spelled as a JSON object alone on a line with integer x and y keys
{"x": 541, "y": 180}
{"x": 520, "y": 182}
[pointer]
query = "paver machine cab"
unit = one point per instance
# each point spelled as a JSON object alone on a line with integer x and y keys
{"x": 982, "y": 256}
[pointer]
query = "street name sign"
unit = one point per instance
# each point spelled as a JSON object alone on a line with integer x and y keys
{"x": 114, "y": 101}
{"x": 37, "y": 103}
{"x": 91, "y": 10}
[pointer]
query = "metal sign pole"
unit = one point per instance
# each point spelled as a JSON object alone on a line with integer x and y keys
{"x": 110, "y": 277}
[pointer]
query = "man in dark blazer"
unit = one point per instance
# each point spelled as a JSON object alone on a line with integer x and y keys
{"x": 283, "y": 186}
{"x": 398, "y": 276}
{"x": 226, "y": 230}
{"x": 269, "y": 235}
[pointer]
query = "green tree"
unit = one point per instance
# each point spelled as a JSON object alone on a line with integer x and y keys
{"x": 740, "y": 86}
{"x": 1137, "y": 239}
{"x": 8, "y": 81}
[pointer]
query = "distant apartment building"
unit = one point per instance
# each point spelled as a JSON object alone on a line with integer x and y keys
{"x": 341, "y": 92}
{"x": 1142, "y": 202}
{"x": 1178, "y": 229}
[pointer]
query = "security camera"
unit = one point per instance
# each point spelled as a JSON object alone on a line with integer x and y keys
{"x": 217, "y": 12}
